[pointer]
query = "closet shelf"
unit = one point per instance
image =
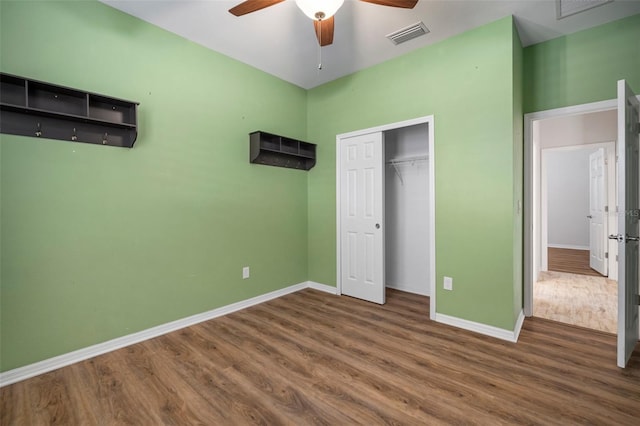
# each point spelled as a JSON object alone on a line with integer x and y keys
{"x": 411, "y": 159}
{"x": 395, "y": 162}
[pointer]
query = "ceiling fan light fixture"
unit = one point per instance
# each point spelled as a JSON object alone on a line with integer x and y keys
{"x": 319, "y": 9}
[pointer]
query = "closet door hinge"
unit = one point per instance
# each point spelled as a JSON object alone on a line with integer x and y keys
{"x": 606, "y": 208}
{"x": 606, "y": 255}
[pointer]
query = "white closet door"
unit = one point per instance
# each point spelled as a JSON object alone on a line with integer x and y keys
{"x": 362, "y": 217}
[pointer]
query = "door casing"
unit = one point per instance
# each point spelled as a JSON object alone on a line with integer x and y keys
{"x": 532, "y": 205}
{"x": 532, "y": 240}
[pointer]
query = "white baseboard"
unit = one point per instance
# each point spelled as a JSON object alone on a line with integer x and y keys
{"x": 487, "y": 330}
{"x": 568, "y": 246}
{"x": 322, "y": 287}
{"x": 518, "y": 326}
{"x": 41, "y": 367}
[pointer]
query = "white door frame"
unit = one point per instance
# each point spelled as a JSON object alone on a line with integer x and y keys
{"x": 532, "y": 211}
{"x": 429, "y": 120}
{"x": 610, "y": 153}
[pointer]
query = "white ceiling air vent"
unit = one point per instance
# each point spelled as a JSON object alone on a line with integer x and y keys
{"x": 408, "y": 33}
{"x": 566, "y": 8}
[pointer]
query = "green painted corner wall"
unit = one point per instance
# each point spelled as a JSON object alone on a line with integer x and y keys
{"x": 582, "y": 67}
{"x": 518, "y": 175}
{"x": 467, "y": 83}
{"x": 99, "y": 242}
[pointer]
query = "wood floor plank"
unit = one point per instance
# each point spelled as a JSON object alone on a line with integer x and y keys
{"x": 455, "y": 381}
{"x": 571, "y": 261}
{"x": 276, "y": 386}
{"x": 314, "y": 358}
{"x": 337, "y": 370}
{"x": 15, "y": 406}
{"x": 385, "y": 377}
{"x": 350, "y": 404}
{"x": 481, "y": 348}
{"x": 212, "y": 381}
{"x": 109, "y": 393}
{"x": 162, "y": 389}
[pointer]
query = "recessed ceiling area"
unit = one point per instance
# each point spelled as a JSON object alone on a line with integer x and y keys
{"x": 281, "y": 40}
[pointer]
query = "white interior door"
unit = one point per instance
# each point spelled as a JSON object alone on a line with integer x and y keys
{"x": 362, "y": 217}
{"x": 628, "y": 216}
{"x": 597, "y": 216}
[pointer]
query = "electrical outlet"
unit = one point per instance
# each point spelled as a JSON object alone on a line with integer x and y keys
{"x": 245, "y": 272}
{"x": 448, "y": 283}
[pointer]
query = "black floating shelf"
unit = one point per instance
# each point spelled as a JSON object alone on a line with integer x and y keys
{"x": 38, "y": 109}
{"x": 273, "y": 150}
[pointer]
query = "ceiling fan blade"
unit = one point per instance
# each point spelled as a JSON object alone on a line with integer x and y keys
{"x": 324, "y": 31}
{"x": 406, "y": 4}
{"x": 251, "y": 6}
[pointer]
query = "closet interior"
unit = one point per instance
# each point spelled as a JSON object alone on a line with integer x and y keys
{"x": 407, "y": 209}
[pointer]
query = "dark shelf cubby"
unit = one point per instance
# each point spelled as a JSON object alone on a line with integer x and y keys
{"x": 46, "y": 97}
{"x": 34, "y": 108}
{"x": 13, "y": 91}
{"x": 112, "y": 110}
{"x": 273, "y": 150}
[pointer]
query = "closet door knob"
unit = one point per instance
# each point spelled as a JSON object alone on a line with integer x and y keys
{"x": 377, "y": 226}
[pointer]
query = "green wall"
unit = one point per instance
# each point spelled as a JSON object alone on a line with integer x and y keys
{"x": 582, "y": 67}
{"x": 467, "y": 83}
{"x": 99, "y": 242}
{"x": 518, "y": 175}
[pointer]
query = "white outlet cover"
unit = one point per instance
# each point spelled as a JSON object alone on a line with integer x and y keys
{"x": 448, "y": 283}
{"x": 245, "y": 272}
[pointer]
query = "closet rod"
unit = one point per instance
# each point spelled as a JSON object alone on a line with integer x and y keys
{"x": 408, "y": 159}
{"x": 404, "y": 160}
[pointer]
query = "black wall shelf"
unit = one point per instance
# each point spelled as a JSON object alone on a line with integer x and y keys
{"x": 34, "y": 108}
{"x": 273, "y": 150}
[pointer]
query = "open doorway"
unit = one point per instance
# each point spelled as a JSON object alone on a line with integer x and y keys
{"x": 577, "y": 188}
{"x": 572, "y": 271}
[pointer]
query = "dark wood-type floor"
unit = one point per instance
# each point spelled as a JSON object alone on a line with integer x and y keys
{"x": 314, "y": 358}
{"x": 571, "y": 261}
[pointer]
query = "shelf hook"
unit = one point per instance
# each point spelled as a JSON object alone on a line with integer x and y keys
{"x": 74, "y": 137}
{"x": 104, "y": 138}
{"x": 39, "y": 130}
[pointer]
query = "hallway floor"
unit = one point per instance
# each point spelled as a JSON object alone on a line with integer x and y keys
{"x": 570, "y": 261}
{"x": 585, "y": 301}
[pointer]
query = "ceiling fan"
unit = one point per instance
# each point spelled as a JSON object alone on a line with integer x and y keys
{"x": 321, "y": 11}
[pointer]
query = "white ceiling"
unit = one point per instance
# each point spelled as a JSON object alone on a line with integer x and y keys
{"x": 280, "y": 39}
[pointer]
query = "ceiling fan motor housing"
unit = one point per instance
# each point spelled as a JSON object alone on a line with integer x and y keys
{"x": 319, "y": 9}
